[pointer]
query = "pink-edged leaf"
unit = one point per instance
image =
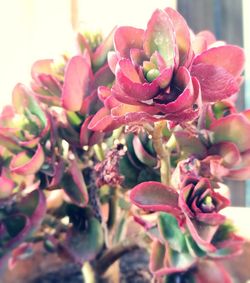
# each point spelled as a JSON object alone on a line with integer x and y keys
{"x": 230, "y": 129}
{"x": 42, "y": 67}
{"x": 157, "y": 256}
{"x": 103, "y": 76}
{"x": 88, "y": 137}
{"x": 126, "y": 38}
{"x": 112, "y": 58}
{"x": 103, "y": 122}
{"x": 100, "y": 55}
{"x": 138, "y": 56}
{"x": 6, "y": 187}
{"x": 203, "y": 244}
{"x": 182, "y": 36}
{"x": 154, "y": 196}
{"x": 190, "y": 144}
{"x": 130, "y": 81}
{"x": 170, "y": 231}
{"x": 34, "y": 207}
{"x": 23, "y": 164}
{"x": 228, "y": 57}
{"x": 84, "y": 245}
{"x": 51, "y": 84}
{"x": 186, "y": 96}
{"x": 74, "y": 185}
{"x": 216, "y": 82}
{"x": 165, "y": 77}
{"x": 228, "y": 151}
{"x": 23, "y": 101}
{"x": 142, "y": 154}
{"x": 202, "y": 40}
{"x": 160, "y": 36}
{"x": 76, "y": 84}
{"x": 9, "y": 142}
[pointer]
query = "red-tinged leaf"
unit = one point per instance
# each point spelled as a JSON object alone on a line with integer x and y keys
{"x": 103, "y": 77}
{"x": 186, "y": 96}
{"x": 230, "y": 129}
{"x": 113, "y": 58}
{"x": 42, "y": 67}
{"x": 121, "y": 96}
{"x": 228, "y": 57}
{"x": 211, "y": 272}
{"x": 126, "y": 38}
{"x": 165, "y": 77}
{"x": 23, "y": 164}
{"x": 103, "y": 122}
{"x": 154, "y": 196}
{"x": 51, "y": 84}
{"x": 9, "y": 142}
{"x": 160, "y": 36}
{"x": 157, "y": 256}
{"x": 142, "y": 154}
{"x": 76, "y": 84}
{"x": 190, "y": 144}
{"x": 34, "y": 207}
{"x": 85, "y": 245}
{"x": 202, "y": 40}
{"x": 216, "y": 82}
{"x": 228, "y": 151}
{"x": 137, "y": 56}
{"x": 182, "y": 36}
{"x": 74, "y": 185}
{"x": 130, "y": 82}
{"x": 22, "y": 99}
{"x": 203, "y": 244}
{"x": 100, "y": 55}
{"x": 88, "y": 137}
{"x": 6, "y": 187}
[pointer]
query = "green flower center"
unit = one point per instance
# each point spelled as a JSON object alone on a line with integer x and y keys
{"x": 152, "y": 75}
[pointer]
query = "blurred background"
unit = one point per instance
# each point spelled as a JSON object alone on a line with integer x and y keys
{"x": 36, "y": 29}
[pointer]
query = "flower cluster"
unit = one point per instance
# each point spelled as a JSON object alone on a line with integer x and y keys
{"x": 142, "y": 123}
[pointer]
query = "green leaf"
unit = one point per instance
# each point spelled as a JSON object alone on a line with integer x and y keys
{"x": 85, "y": 245}
{"x": 171, "y": 232}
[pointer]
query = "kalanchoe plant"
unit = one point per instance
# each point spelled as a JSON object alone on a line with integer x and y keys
{"x": 140, "y": 126}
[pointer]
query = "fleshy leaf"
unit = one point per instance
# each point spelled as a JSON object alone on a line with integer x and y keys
{"x": 159, "y": 37}
{"x": 23, "y": 100}
{"x": 76, "y": 83}
{"x": 74, "y": 185}
{"x": 126, "y": 38}
{"x": 182, "y": 36}
{"x": 154, "y": 196}
{"x": 230, "y": 128}
{"x": 142, "y": 154}
{"x": 171, "y": 232}
{"x": 23, "y": 164}
{"x": 100, "y": 55}
{"x": 85, "y": 245}
{"x": 6, "y": 187}
{"x": 157, "y": 256}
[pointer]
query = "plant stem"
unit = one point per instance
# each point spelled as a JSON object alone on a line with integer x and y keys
{"x": 162, "y": 151}
{"x": 113, "y": 254}
{"x": 88, "y": 273}
{"x": 99, "y": 152}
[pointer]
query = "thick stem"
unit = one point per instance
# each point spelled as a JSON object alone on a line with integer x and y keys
{"x": 113, "y": 254}
{"x": 162, "y": 151}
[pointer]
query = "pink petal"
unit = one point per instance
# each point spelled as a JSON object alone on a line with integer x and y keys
{"x": 126, "y": 38}
{"x": 160, "y": 36}
{"x": 76, "y": 84}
